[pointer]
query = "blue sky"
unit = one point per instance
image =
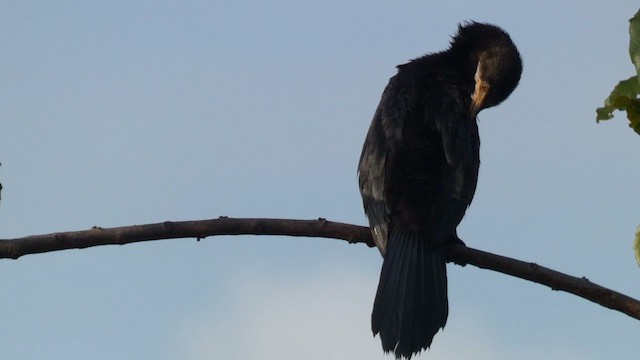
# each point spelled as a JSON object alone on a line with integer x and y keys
{"x": 120, "y": 113}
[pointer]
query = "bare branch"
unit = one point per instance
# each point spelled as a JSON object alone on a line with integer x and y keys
{"x": 580, "y": 286}
{"x": 14, "y": 248}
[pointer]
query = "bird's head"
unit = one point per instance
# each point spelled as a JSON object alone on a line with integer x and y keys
{"x": 495, "y": 60}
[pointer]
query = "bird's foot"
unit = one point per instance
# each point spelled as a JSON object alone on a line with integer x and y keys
{"x": 456, "y": 241}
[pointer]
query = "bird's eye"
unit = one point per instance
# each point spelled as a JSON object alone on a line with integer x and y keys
{"x": 484, "y": 86}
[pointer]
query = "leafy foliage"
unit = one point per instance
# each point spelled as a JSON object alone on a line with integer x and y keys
{"x": 625, "y": 95}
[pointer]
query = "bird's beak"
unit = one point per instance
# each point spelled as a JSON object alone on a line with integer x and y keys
{"x": 480, "y": 91}
{"x": 478, "y": 98}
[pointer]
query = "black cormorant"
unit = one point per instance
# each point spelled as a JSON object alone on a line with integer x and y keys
{"x": 418, "y": 173}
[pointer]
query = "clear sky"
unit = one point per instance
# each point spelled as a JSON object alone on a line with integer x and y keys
{"x": 119, "y": 113}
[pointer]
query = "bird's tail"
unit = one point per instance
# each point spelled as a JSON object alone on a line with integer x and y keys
{"x": 411, "y": 303}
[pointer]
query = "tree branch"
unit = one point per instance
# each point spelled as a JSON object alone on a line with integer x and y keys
{"x": 14, "y": 248}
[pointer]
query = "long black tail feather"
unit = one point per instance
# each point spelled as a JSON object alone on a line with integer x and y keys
{"x": 411, "y": 303}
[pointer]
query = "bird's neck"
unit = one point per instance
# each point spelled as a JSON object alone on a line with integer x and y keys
{"x": 464, "y": 61}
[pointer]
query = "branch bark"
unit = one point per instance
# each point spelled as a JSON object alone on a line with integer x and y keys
{"x": 15, "y": 248}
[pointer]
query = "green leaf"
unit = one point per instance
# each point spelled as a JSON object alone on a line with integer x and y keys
{"x": 623, "y": 97}
{"x": 634, "y": 41}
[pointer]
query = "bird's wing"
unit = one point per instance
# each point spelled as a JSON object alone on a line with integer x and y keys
{"x": 452, "y": 127}
{"x": 460, "y": 142}
{"x": 384, "y": 133}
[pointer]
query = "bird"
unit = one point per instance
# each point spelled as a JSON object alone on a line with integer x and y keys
{"x": 418, "y": 173}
